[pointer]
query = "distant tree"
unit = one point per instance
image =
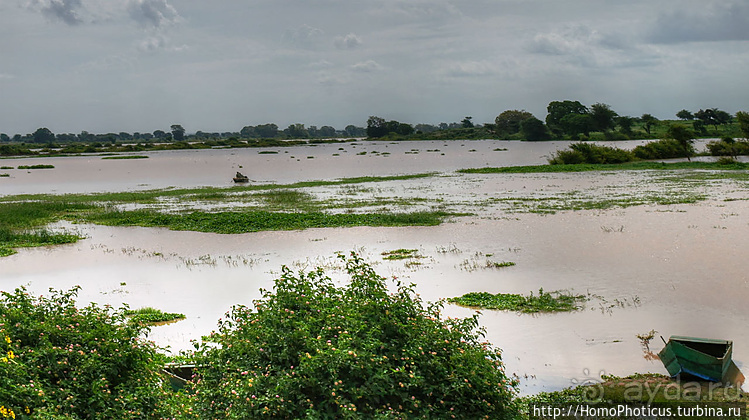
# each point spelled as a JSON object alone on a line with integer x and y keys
{"x": 508, "y": 122}
{"x": 354, "y": 131}
{"x": 534, "y": 129}
{"x": 43, "y": 135}
{"x": 269, "y": 130}
{"x": 443, "y": 126}
{"x": 247, "y": 132}
{"x": 604, "y": 118}
{"x": 425, "y": 128}
{"x": 125, "y": 136}
{"x": 625, "y": 124}
{"x": 159, "y": 134}
{"x": 743, "y": 119}
{"x": 723, "y": 117}
{"x": 66, "y": 138}
{"x": 559, "y": 109}
{"x": 467, "y": 123}
{"x": 575, "y": 124}
{"x": 326, "y": 131}
{"x": 376, "y": 127}
{"x": 178, "y": 133}
{"x": 17, "y": 138}
{"x": 713, "y": 116}
{"x": 4, "y": 138}
{"x": 684, "y": 136}
{"x": 685, "y": 115}
{"x": 296, "y": 131}
{"x": 648, "y": 122}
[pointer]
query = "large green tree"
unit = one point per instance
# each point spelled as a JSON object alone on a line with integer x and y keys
{"x": 604, "y": 118}
{"x": 684, "y": 137}
{"x": 534, "y": 129}
{"x": 648, "y": 122}
{"x": 178, "y": 132}
{"x": 743, "y": 119}
{"x": 508, "y": 122}
{"x": 575, "y": 124}
{"x": 560, "y": 109}
{"x": 43, "y": 135}
{"x": 376, "y": 127}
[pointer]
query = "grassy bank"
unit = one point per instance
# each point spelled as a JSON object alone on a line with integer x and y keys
{"x": 586, "y": 167}
{"x": 543, "y": 302}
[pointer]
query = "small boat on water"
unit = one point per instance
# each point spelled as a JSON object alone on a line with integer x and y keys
{"x": 239, "y": 177}
{"x": 704, "y": 358}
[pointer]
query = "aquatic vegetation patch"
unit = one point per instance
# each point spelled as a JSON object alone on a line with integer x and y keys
{"x": 400, "y": 254}
{"x": 36, "y": 167}
{"x": 4, "y": 175}
{"x": 126, "y": 157}
{"x": 556, "y": 301}
{"x": 256, "y": 221}
{"x": 587, "y": 167}
{"x": 151, "y": 316}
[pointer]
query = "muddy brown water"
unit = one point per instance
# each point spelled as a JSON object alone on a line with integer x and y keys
{"x": 679, "y": 269}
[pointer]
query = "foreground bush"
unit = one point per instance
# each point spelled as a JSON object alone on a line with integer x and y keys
{"x": 311, "y": 349}
{"x": 58, "y": 361}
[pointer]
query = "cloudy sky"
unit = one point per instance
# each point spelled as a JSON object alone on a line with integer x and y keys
{"x": 142, "y": 65}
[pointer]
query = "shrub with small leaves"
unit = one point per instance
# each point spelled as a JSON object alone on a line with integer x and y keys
{"x": 312, "y": 349}
{"x": 59, "y": 361}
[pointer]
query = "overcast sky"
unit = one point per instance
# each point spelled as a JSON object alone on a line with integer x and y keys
{"x": 218, "y": 65}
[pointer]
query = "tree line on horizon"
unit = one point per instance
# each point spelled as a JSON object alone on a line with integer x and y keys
{"x": 564, "y": 120}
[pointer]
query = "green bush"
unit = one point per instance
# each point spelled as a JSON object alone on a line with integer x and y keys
{"x": 662, "y": 149}
{"x": 311, "y": 349}
{"x": 728, "y": 147}
{"x": 590, "y": 153}
{"x": 58, "y": 360}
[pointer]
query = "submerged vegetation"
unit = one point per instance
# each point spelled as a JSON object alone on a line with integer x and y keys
{"x": 543, "y": 302}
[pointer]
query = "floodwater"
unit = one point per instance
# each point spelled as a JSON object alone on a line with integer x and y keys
{"x": 678, "y": 269}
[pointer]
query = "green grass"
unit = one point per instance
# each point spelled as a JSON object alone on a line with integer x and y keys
{"x": 400, "y": 254}
{"x": 4, "y": 175}
{"x": 256, "y": 221}
{"x": 543, "y": 302}
{"x": 150, "y": 316}
{"x": 126, "y": 157}
{"x": 36, "y": 167}
{"x": 585, "y": 167}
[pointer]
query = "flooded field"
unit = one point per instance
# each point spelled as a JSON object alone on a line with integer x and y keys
{"x": 667, "y": 255}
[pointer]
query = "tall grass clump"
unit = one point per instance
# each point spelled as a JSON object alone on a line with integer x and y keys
{"x": 312, "y": 349}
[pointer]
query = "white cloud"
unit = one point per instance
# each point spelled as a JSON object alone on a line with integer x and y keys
{"x": 152, "y": 13}
{"x": 66, "y": 11}
{"x": 469, "y": 69}
{"x": 349, "y": 41}
{"x": 304, "y": 36}
{"x": 369, "y": 66}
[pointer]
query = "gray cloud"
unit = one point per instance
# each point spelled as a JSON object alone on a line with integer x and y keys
{"x": 369, "y": 66}
{"x": 304, "y": 36}
{"x": 716, "y": 21}
{"x": 65, "y": 11}
{"x": 153, "y": 13}
{"x": 349, "y": 41}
